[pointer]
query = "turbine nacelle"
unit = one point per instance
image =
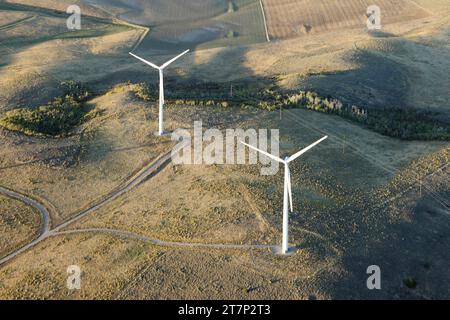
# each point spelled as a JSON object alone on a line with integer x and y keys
{"x": 161, "y": 84}
{"x": 163, "y": 66}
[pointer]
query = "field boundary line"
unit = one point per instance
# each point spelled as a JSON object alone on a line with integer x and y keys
{"x": 414, "y": 3}
{"x": 10, "y": 6}
{"x": 120, "y": 21}
{"x": 17, "y": 22}
{"x": 264, "y": 20}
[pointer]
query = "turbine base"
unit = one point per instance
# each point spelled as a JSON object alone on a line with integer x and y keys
{"x": 278, "y": 250}
{"x": 164, "y": 133}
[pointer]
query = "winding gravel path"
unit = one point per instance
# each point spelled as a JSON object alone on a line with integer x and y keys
{"x": 45, "y": 216}
{"x": 150, "y": 170}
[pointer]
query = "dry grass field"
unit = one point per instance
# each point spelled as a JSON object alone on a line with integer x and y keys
{"x": 35, "y": 31}
{"x": 155, "y": 12}
{"x": 201, "y": 25}
{"x": 288, "y": 18}
{"x": 76, "y": 171}
{"x": 212, "y": 195}
{"x": 207, "y": 232}
{"x": 18, "y": 224}
{"x": 61, "y": 5}
{"x": 115, "y": 268}
{"x": 337, "y": 224}
{"x": 240, "y": 27}
{"x": 9, "y": 19}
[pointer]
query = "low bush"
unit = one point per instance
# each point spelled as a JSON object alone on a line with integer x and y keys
{"x": 410, "y": 283}
{"x": 142, "y": 91}
{"x": 56, "y": 118}
{"x": 75, "y": 90}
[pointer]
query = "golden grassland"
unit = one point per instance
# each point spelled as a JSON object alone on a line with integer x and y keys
{"x": 358, "y": 199}
{"x": 18, "y": 224}
{"x": 74, "y": 172}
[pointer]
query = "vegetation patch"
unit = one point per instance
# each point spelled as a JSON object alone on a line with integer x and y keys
{"x": 401, "y": 123}
{"x": 410, "y": 283}
{"x": 57, "y": 118}
{"x": 143, "y": 91}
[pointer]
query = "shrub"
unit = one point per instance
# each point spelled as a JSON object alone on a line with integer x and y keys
{"x": 56, "y": 118}
{"x": 231, "y": 34}
{"x": 410, "y": 283}
{"x": 75, "y": 90}
{"x": 142, "y": 91}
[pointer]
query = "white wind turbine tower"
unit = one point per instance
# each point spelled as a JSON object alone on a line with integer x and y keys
{"x": 161, "y": 85}
{"x": 287, "y": 187}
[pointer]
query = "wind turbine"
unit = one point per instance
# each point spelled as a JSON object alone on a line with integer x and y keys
{"x": 287, "y": 187}
{"x": 161, "y": 85}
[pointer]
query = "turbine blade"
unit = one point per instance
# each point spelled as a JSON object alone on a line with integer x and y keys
{"x": 145, "y": 61}
{"x": 264, "y": 153}
{"x": 172, "y": 60}
{"x": 298, "y": 154}
{"x": 290, "y": 189}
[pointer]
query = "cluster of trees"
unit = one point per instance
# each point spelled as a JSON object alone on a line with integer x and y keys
{"x": 402, "y": 123}
{"x": 144, "y": 92}
{"x": 56, "y": 118}
{"x": 75, "y": 90}
{"x": 313, "y": 101}
{"x": 408, "y": 124}
{"x": 205, "y": 103}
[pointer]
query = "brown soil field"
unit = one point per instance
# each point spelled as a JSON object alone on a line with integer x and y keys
{"x": 288, "y": 18}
